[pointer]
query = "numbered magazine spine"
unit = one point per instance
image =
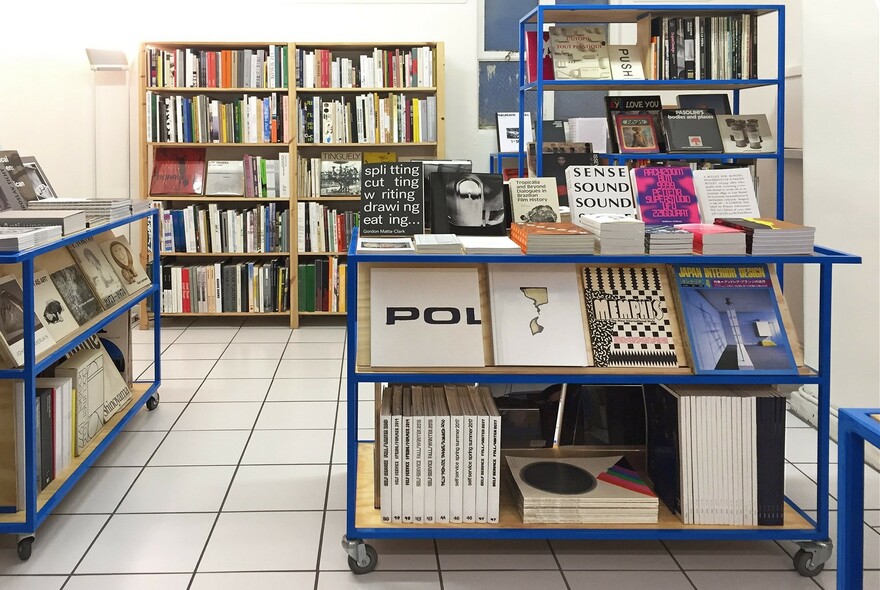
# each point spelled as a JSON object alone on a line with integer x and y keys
{"x": 482, "y": 472}
{"x": 457, "y": 450}
{"x": 494, "y": 456}
{"x": 418, "y": 468}
{"x": 442, "y": 439}
{"x": 385, "y": 466}
{"x": 430, "y": 471}
{"x": 396, "y": 467}
{"x": 407, "y": 486}
{"x": 469, "y": 489}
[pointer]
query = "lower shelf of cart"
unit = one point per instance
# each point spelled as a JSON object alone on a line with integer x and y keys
{"x": 368, "y": 522}
{"x": 62, "y": 484}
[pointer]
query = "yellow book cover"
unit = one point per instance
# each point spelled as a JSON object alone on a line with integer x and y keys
{"x": 224, "y": 137}
{"x": 417, "y": 129}
{"x": 379, "y": 157}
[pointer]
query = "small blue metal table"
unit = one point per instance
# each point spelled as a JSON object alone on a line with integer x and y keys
{"x": 854, "y": 427}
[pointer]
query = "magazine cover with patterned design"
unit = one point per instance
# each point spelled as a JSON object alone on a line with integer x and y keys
{"x": 631, "y": 318}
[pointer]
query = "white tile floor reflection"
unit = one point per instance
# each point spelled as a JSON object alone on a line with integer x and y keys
{"x": 237, "y": 481}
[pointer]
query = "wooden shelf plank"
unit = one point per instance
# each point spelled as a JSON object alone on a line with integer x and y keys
{"x": 217, "y": 144}
{"x": 211, "y": 89}
{"x": 339, "y": 313}
{"x": 331, "y": 146}
{"x": 348, "y": 198}
{"x": 386, "y": 89}
{"x": 226, "y": 313}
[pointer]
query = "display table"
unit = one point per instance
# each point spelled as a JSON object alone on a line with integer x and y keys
{"x": 855, "y": 427}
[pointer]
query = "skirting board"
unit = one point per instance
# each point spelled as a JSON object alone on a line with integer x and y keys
{"x": 804, "y": 404}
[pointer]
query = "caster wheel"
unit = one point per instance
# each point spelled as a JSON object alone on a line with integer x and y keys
{"x": 372, "y": 561}
{"x": 153, "y": 402}
{"x": 24, "y": 548}
{"x": 803, "y": 564}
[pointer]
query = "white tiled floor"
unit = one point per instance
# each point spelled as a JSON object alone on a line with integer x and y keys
{"x": 237, "y": 481}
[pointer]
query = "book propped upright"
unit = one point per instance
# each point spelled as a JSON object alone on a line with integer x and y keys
{"x": 225, "y": 178}
{"x": 16, "y": 189}
{"x": 533, "y": 199}
{"x": 665, "y": 195}
{"x": 744, "y": 134}
{"x": 690, "y": 130}
{"x": 633, "y": 105}
{"x": 599, "y": 190}
{"x": 178, "y": 171}
{"x": 726, "y": 192}
{"x": 12, "y": 324}
{"x": 580, "y": 52}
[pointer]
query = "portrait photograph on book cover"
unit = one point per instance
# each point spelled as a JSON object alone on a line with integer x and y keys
{"x": 11, "y": 312}
{"x": 72, "y": 286}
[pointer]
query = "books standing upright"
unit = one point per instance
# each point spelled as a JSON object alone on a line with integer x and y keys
{"x": 580, "y": 52}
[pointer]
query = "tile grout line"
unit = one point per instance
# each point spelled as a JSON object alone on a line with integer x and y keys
{"x": 675, "y": 560}
{"x": 558, "y": 564}
{"x": 234, "y": 474}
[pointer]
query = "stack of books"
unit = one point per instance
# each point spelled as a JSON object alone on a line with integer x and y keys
{"x": 558, "y": 237}
{"x": 489, "y": 245}
{"x": 770, "y": 236}
{"x": 616, "y": 233}
{"x": 370, "y": 245}
{"x": 70, "y": 220}
{"x": 437, "y": 244}
{"x": 712, "y": 238}
{"x": 98, "y": 211}
{"x": 665, "y": 239}
{"x": 13, "y": 239}
{"x": 578, "y": 490}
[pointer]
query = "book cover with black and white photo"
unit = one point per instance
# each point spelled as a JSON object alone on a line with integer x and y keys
{"x": 691, "y": 130}
{"x": 468, "y": 204}
{"x": 745, "y": 134}
{"x": 98, "y": 271}
{"x": 51, "y": 308}
{"x": 341, "y": 173}
{"x": 12, "y": 323}
{"x": 507, "y": 124}
{"x": 71, "y": 284}
{"x": 125, "y": 264}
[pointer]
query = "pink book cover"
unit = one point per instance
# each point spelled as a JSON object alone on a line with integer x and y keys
{"x": 532, "y": 60}
{"x": 666, "y": 195}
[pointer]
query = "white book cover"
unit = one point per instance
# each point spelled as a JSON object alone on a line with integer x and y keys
{"x": 508, "y": 131}
{"x": 482, "y": 499}
{"x": 51, "y": 308}
{"x": 385, "y": 456}
{"x": 457, "y": 452}
{"x": 224, "y": 178}
{"x": 599, "y": 190}
{"x": 430, "y": 454}
{"x": 62, "y": 400}
{"x": 98, "y": 271}
{"x": 469, "y": 460}
{"x": 715, "y": 443}
{"x": 752, "y": 460}
{"x": 86, "y": 370}
{"x": 536, "y": 315}
{"x": 626, "y": 62}
{"x": 125, "y": 264}
{"x": 406, "y": 488}
{"x": 725, "y": 449}
{"x": 418, "y": 454}
{"x": 725, "y": 192}
{"x": 405, "y": 302}
{"x": 591, "y": 130}
{"x": 701, "y": 467}
{"x": 397, "y": 454}
{"x": 739, "y": 445}
{"x": 442, "y": 457}
{"x": 18, "y": 409}
{"x": 12, "y": 322}
{"x": 493, "y": 505}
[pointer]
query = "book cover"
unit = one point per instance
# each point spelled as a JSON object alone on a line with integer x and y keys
{"x": 429, "y": 167}
{"x": 626, "y": 62}
{"x": 742, "y": 134}
{"x": 12, "y": 323}
{"x": 37, "y": 179}
{"x": 340, "y": 173}
{"x": 556, "y": 159}
{"x": 178, "y": 171}
{"x": 86, "y": 369}
{"x": 631, "y": 318}
{"x": 665, "y": 195}
{"x": 718, "y": 103}
{"x": 580, "y": 52}
{"x": 633, "y": 105}
{"x": 532, "y": 57}
{"x": 125, "y": 264}
{"x": 17, "y": 189}
{"x": 456, "y": 453}
{"x": 384, "y": 450}
{"x": 726, "y": 192}
{"x": 507, "y": 126}
{"x": 536, "y": 315}
{"x": 72, "y": 285}
{"x": 591, "y": 130}
{"x": 406, "y": 484}
{"x": 690, "y": 130}
{"x": 733, "y": 321}
{"x": 51, "y": 308}
{"x": 392, "y": 199}
{"x": 417, "y": 441}
{"x": 554, "y": 130}
{"x": 396, "y": 453}
{"x": 599, "y": 190}
{"x": 493, "y": 456}
{"x": 379, "y": 157}
{"x": 481, "y": 509}
{"x": 636, "y": 134}
{"x": 98, "y": 271}
{"x": 225, "y": 178}
{"x": 468, "y": 204}
{"x": 533, "y": 199}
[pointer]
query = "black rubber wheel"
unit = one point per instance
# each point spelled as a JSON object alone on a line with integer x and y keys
{"x": 24, "y": 548}
{"x": 373, "y": 560}
{"x": 153, "y": 402}
{"x": 803, "y": 564}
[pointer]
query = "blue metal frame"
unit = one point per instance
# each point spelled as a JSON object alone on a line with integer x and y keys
{"x": 28, "y": 373}
{"x": 855, "y": 427}
{"x": 495, "y": 159}
{"x": 824, "y": 257}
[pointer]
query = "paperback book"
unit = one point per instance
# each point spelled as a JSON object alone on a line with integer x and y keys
{"x": 633, "y": 105}
{"x": 178, "y": 171}
{"x": 12, "y": 324}
{"x": 468, "y": 204}
{"x": 125, "y": 264}
{"x": 98, "y": 271}
{"x": 599, "y": 190}
{"x": 726, "y": 192}
{"x": 340, "y": 173}
{"x": 533, "y": 199}
{"x": 665, "y": 195}
{"x": 742, "y": 134}
{"x": 636, "y": 134}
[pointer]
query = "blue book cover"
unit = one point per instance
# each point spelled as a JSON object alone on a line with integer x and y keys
{"x": 733, "y": 321}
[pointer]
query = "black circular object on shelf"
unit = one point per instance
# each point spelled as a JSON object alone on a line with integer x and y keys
{"x": 558, "y": 478}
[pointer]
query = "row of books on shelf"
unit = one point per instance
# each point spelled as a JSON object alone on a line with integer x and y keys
{"x": 179, "y": 118}
{"x": 226, "y": 286}
{"x": 188, "y": 171}
{"x": 210, "y": 229}
{"x": 188, "y": 67}
{"x": 439, "y": 455}
{"x": 367, "y": 118}
{"x": 376, "y": 68}
{"x": 72, "y": 285}
{"x": 323, "y": 229}
{"x": 683, "y": 318}
{"x": 336, "y": 174}
{"x": 321, "y": 285}
{"x": 75, "y": 397}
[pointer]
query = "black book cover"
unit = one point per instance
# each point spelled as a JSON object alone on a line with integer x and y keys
{"x": 227, "y": 283}
{"x": 636, "y": 105}
{"x": 553, "y": 130}
{"x": 392, "y": 199}
{"x": 705, "y": 42}
{"x": 468, "y": 204}
{"x": 554, "y": 165}
{"x": 691, "y": 130}
{"x": 245, "y": 287}
{"x": 663, "y": 462}
{"x": 672, "y": 47}
{"x": 690, "y": 64}
{"x": 753, "y": 53}
{"x": 47, "y": 430}
{"x": 771, "y": 459}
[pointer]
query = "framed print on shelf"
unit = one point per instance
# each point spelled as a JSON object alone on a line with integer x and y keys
{"x": 636, "y": 134}
{"x": 508, "y": 131}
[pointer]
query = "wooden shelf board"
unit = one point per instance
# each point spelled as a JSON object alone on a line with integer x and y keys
{"x": 523, "y": 370}
{"x": 210, "y": 199}
{"x": 215, "y": 144}
{"x": 386, "y": 89}
{"x": 322, "y": 253}
{"x": 222, "y": 254}
{"x": 331, "y": 146}
{"x": 367, "y": 516}
{"x": 210, "y": 89}
{"x": 631, "y": 15}
{"x": 656, "y": 85}
{"x": 226, "y": 313}
{"x": 347, "y": 198}
{"x": 351, "y": 45}
{"x": 215, "y": 45}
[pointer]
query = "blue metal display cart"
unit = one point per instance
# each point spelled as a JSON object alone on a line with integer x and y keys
{"x": 38, "y": 505}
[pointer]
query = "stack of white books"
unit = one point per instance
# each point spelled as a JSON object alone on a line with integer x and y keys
{"x": 439, "y": 455}
{"x": 489, "y": 245}
{"x": 14, "y": 239}
{"x": 371, "y": 245}
{"x": 98, "y": 211}
{"x": 667, "y": 239}
{"x": 438, "y": 244}
{"x": 617, "y": 233}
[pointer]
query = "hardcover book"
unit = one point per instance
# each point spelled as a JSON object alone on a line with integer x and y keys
{"x": 98, "y": 271}
{"x": 225, "y": 178}
{"x": 533, "y": 199}
{"x": 15, "y": 185}
{"x": 429, "y": 167}
{"x": 636, "y": 134}
{"x": 631, "y": 318}
{"x": 340, "y": 173}
{"x": 580, "y": 52}
{"x": 690, "y": 130}
{"x": 86, "y": 369}
{"x": 507, "y": 125}
{"x": 599, "y": 190}
{"x": 743, "y": 134}
{"x": 532, "y": 57}
{"x": 726, "y": 192}
{"x": 37, "y": 179}
{"x": 50, "y": 307}
{"x": 633, "y": 105}
{"x": 117, "y": 393}
{"x": 665, "y": 195}
{"x": 12, "y": 324}
{"x": 556, "y": 158}
{"x": 392, "y": 199}
{"x": 71, "y": 284}
{"x": 468, "y": 204}
{"x": 718, "y": 103}
{"x": 125, "y": 264}
{"x": 733, "y": 320}
{"x": 178, "y": 171}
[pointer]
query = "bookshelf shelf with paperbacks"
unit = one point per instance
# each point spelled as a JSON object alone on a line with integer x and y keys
{"x": 368, "y": 101}
{"x": 33, "y": 506}
{"x": 216, "y": 135}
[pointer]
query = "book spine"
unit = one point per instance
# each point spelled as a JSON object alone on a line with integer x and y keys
{"x": 494, "y": 470}
{"x": 397, "y": 468}
{"x": 470, "y": 466}
{"x": 418, "y": 468}
{"x": 430, "y": 473}
{"x": 442, "y": 462}
{"x": 47, "y": 431}
{"x": 456, "y": 451}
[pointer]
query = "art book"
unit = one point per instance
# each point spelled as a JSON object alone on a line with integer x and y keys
{"x": 507, "y": 124}
{"x": 469, "y": 203}
{"x": 636, "y": 134}
{"x": 536, "y": 315}
{"x": 633, "y": 105}
{"x": 726, "y": 192}
{"x": 125, "y": 264}
{"x": 743, "y": 134}
{"x": 580, "y": 52}
{"x": 631, "y": 318}
{"x": 71, "y": 284}
{"x": 341, "y": 173}
{"x": 690, "y": 130}
{"x": 225, "y": 178}
{"x": 665, "y": 195}
{"x": 12, "y": 323}
{"x": 97, "y": 269}
{"x": 533, "y": 199}
{"x": 178, "y": 171}
{"x": 733, "y": 320}
{"x": 50, "y": 307}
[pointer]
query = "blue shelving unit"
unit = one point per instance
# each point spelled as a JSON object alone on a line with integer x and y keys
{"x": 39, "y": 505}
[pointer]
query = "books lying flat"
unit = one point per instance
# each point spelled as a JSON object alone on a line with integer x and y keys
{"x": 489, "y": 245}
{"x": 712, "y": 238}
{"x": 616, "y": 233}
{"x": 437, "y": 244}
{"x": 97, "y": 211}
{"x": 71, "y": 220}
{"x": 14, "y": 239}
{"x": 580, "y": 490}
{"x": 770, "y": 236}
{"x": 553, "y": 238}
{"x": 663, "y": 239}
{"x": 385, "y": 245}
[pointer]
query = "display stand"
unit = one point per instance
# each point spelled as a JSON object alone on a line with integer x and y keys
{"x": 38, "y": 505}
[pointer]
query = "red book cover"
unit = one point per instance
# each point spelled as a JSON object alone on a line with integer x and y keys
{"x": 178, "y": 171}
{"x": 665, "y": 195}
{"x": 184, "y": 290}
{"x": 702, "y": 229}
{"x": 532, "y": 57}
